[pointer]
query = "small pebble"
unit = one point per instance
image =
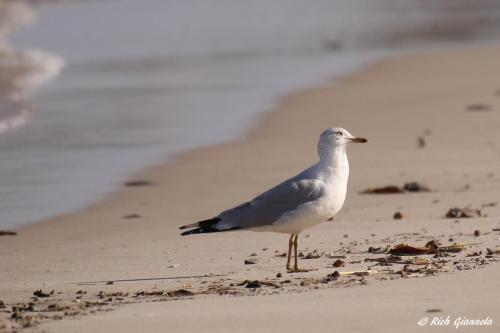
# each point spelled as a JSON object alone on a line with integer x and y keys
{"x": 338, "y": 263}
{"x": 253, "y": 284}
{"x": 477, "y": 233}
{"x": 397, "y": 216}
{"x": 132, "y": 216}
{"x": 332, "y": 277}
{"x": 478, "y": 107}
{"x": 420, "y": 142}
{"x": 250, "y": 261}
{"x": 138, "y": 182}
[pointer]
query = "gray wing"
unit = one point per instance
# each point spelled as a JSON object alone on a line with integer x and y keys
{"x": 267, "y": 208}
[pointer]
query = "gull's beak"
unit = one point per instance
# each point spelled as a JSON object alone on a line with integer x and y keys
{"x": 358, "y": 140}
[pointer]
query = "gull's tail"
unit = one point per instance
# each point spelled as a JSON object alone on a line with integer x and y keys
{"x": 201, "y": 227}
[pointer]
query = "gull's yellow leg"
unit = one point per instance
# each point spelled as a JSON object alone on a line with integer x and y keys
{"x": 290, "y": 244}
{"x": 296, "y": 268}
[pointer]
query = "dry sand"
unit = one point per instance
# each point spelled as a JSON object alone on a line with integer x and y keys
{"x": 451, "y": 99}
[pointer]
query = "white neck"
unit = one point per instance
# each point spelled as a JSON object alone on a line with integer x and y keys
{"x": 334, "y": 165}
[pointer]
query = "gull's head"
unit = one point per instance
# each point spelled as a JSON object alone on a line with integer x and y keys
{"x": 336, "y": 137}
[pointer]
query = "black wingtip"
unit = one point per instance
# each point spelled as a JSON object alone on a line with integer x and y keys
{"x": 205, "y": 230}
{"x": 190, "y": 232}
{"x": 200, "y": 230}
{"x": 200, "y": 227}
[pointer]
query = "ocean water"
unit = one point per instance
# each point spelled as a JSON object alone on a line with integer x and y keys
{"x": 92, "y": 91}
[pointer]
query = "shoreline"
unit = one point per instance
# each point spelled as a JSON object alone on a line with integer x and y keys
{"x": 111, "y": 140}
{"x": 391, "y": 102}
{"x": 260, "y": 121}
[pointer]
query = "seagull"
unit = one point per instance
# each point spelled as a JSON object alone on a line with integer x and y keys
{"x": 313, "y": 196}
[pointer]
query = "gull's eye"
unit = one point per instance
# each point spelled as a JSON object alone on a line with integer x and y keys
{"x": 339, "y": 133}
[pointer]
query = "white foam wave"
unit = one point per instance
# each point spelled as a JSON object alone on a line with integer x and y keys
{"x": 21, "y": 72}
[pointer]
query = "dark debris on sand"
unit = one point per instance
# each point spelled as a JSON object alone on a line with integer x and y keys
{"x": 397, "y": 216}
{"x": 138, "y": 182}
{"x": 421, "y": 143}
{"x": 415, "y": 187}
{"x": 132, "y": 216}
{"x": 431, "y": 247}
{"x": 339, "y": 263}
{"x": 467, "y": 212}
{"x": 389, "y": 189}
{"x": 394, "y": 189}
{"x": 377, "y": 250}
{"x": 478, "y": 107}
{"x": 348, "y": 269}
{"x": 331, "y": 277}
{"x": 39, "y": 293}
{"x": 7, "y": 233}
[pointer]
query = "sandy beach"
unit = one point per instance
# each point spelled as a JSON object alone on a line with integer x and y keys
{"x": 431, "y": 118}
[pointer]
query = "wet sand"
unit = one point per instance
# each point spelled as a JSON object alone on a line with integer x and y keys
{"x": 447, "y": 101}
